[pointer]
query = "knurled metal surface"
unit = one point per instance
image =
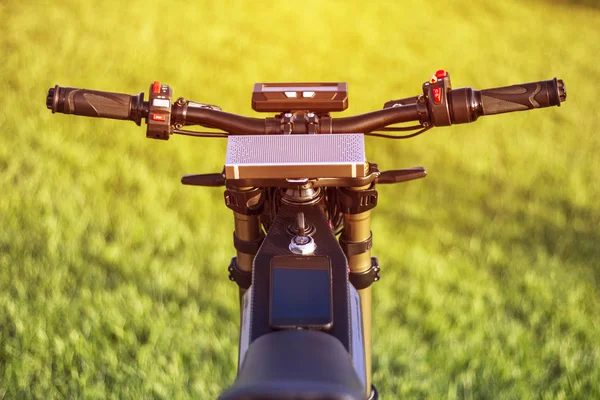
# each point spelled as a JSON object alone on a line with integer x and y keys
{"x": 295, "y": 149}
{"x": 295, "y": 156}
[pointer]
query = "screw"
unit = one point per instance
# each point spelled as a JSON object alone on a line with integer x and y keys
{"x": 301, "y": 240}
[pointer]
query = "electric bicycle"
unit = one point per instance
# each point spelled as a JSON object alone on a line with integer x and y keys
{"x": 302, "y": 192}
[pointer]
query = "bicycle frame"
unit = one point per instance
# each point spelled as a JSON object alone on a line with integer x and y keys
{"x": 356, "y": 245}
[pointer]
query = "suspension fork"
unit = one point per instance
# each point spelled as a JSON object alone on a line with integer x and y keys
{"x": 356, "y": 241}
{"x": 247, "y": 229}
{"x": 246, "y": 203}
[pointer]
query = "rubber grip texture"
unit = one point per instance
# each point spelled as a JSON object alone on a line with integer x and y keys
{"x": 522, "y": 97}
{"x": 93, "y": 103}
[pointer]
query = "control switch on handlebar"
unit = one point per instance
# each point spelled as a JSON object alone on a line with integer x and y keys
{"x": 436, "y": 92}
{"x": 159, "y": 112}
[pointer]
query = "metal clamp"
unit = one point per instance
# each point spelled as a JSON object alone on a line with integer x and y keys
{"x": 242, "y": 278}
{"x": 244, "y": 201}
{"x": 354, "y": 248}
{"x": 287, "y": 124}
{"x": 357, "y": 201}
{"x": 313, "y": 123}
{"x": 247, "y": 246}
{"x": 362, "y": 280}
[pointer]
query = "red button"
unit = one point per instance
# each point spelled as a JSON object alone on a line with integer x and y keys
{"x": 441, "y": 74}
{"x": 156, "y": 87}
{"x": 159, "y": 117}
{"x": 437, "y": 95}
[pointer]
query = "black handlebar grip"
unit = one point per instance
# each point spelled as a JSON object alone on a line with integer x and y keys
{"x": 466, "y": 104}
{"x": 94, "y": 103}
{"x": 523, "y": 97}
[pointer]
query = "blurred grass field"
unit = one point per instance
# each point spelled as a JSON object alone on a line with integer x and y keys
{"x": 113, "y": 278}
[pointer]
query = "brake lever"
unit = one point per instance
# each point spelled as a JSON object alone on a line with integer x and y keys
{"x": 188, "y": 103}
{"x": 211, "y": 180}
{"x": 401, "y": 102}
{"x": 401, "y": 175}
{"x": 203, "y": 105}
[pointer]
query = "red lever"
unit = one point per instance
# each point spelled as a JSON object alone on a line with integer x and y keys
{"x": 441, "y": 74}
{"x": 156, "y": 87}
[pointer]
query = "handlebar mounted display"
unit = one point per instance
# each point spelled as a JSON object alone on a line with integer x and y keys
{"x": 315, "y": 97}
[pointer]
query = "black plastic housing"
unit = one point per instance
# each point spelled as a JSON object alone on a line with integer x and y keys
{"x": 277, "y": 243}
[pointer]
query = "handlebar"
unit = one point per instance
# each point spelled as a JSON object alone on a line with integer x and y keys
{"x": 232, "y": 123}
{"x": 378, "y": 119}
{"x": 440, "y": 105}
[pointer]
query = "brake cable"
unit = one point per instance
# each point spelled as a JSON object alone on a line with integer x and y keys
{"x": 375, "y": 133}
{"x": 401, "y": 129}
{"x": 201, "y": 134}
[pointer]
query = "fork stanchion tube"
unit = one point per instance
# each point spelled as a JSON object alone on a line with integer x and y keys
{"x": 357, "y": 228}
{"x": 248, "y": 228}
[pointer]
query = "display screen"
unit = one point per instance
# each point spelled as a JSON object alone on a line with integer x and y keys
{"x": 301, "y": 292}
{"x": 315, "y": 96}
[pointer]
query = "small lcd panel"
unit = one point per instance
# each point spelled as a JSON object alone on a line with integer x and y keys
{"x": 316, "y": 97}
{"x": 301, "y": 292}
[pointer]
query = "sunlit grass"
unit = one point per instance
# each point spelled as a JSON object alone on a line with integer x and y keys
{"x": 113, "y": 276}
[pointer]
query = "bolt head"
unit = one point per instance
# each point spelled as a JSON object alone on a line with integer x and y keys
{"x": 302, "y": 245}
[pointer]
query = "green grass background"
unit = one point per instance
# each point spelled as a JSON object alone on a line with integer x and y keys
{"x": 113, "y": 279}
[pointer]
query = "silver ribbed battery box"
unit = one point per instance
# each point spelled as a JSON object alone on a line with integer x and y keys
{"x": 295, "y": 156}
